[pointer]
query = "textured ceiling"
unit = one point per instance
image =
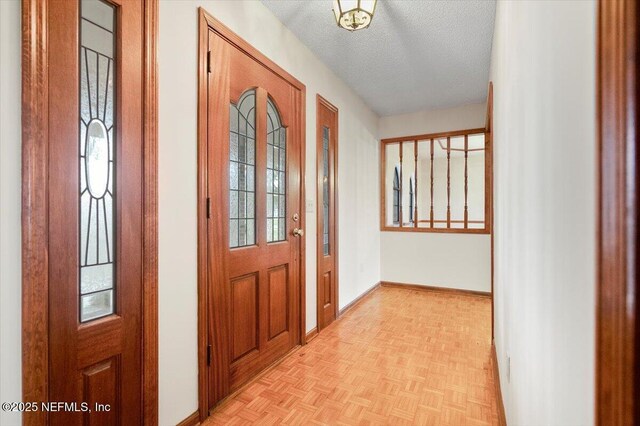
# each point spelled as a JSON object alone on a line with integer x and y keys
{"x": 416, "y": 55}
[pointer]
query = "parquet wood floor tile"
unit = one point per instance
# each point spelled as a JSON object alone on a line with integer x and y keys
{"x": 398, "y": 357}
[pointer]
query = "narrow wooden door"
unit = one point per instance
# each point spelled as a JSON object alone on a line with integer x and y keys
{"x": 95, "y": 133}
{"x": 254, "y": 229}
{"x": 327, "y": 251}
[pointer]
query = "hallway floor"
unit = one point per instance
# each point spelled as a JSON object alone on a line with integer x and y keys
{"x": 398, "y": 357}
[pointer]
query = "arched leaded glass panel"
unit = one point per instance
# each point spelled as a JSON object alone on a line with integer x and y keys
{"x": 97, "y": 160}
{"x": 242, "y": 165}
{"x": 276, "y": 175}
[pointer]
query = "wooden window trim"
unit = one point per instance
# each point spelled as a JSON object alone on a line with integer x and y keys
{"x": 488, "y": 198}
{"x": 35, "y": 285}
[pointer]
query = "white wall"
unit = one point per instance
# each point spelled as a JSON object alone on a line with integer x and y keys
{"x": 357, "y": 175}
{"x": 460, "y": 261}
{"x": 10, "y": 202}
{"x": 434, "y": 121}
{"x": 544, "y": 94}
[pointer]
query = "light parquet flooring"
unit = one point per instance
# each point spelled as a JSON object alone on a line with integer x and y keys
{"x": 399, "y": 357}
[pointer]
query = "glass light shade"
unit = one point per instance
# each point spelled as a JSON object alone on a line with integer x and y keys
{"x": 354, "y": 15}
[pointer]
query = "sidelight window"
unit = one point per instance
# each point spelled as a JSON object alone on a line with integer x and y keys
{"x": 97, "y": 147}
{"x": 325, "y": 191}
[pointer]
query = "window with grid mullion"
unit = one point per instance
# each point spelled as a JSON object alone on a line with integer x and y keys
{"x": 276, "y": 176}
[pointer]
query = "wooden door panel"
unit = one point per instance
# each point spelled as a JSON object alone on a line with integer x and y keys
{"x": 244, "y": 294}
{"x": 101, "y": 383}
{"x": 278, "y": 300}
{"x": 326, "y": 284}
{"x": 107, "y": 331}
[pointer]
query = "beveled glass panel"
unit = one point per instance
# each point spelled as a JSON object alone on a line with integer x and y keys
{"x": 97, "y": 147}
{"x": 242, "y": 148}
{"x": 97, "y": 158}
{"x": 276, "y": 175}
{"x": 96, "y": 305}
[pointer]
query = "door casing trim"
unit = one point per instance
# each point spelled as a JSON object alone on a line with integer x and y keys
{"x": 205, "y": 22}
{"x": 35, "y": 266}
{"x": 617, "y": 355}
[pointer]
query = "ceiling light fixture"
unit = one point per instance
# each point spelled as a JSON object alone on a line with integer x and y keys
{"x": 354, "y": 15}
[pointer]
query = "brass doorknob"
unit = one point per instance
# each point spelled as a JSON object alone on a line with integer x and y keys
{"x": 298, "y": 232}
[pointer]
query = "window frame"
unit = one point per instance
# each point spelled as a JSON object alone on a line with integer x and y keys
{"x": 488, "y": 184}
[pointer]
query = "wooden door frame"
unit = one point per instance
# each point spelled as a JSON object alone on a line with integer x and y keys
{"x": 319, "y": 238}
{"x": 205, "y": 22}
{"x": 489, "y": 190}
{"x": 35, "y": 150}
{"x": 617, "y": 318}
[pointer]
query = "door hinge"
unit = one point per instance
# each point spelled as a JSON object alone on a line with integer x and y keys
{"x": 209, "y": 61}
{"x": 208, "y": 354}
{"x": 208, "y": 207}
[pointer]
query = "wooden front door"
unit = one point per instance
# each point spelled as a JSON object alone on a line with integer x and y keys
{"x": 255, "y": 226}
{"x": 327, "y": 251}
{"x": 95, "y": 216}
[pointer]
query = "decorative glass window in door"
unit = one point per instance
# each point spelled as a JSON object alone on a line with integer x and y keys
{"x": 325, "y": 190}
{"x": 242, "y": 165}
{"x": 276, "y": 175}
{"x": 97, "y": 160}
